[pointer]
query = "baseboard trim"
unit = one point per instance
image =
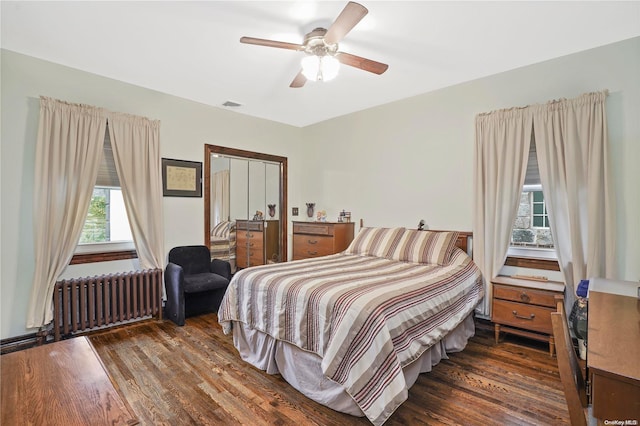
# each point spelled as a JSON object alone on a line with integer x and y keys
{"x": 18, "y": 343}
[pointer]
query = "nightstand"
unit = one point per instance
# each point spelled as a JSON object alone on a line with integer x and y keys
{"x": 523, "y": 307}
{"x": 315, "y": 239}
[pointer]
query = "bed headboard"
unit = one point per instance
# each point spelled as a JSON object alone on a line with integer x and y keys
{"x": 465, "y": 242}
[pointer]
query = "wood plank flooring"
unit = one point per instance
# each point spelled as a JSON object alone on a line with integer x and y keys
{"x": 192, "y": 375}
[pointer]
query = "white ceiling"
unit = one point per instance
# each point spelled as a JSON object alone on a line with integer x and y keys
{"x": 192, "y": 49}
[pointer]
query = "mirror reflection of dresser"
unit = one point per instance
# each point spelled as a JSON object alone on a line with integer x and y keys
{"x": 257, "y": 242}
{"x": 245, "y": 192}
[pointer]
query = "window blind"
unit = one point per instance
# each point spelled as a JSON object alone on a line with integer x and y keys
{"x": 107, "y": 174}
{"x": 532, "y": 178}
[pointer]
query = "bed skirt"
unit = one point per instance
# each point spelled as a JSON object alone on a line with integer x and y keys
{"x": 302, "y": 369}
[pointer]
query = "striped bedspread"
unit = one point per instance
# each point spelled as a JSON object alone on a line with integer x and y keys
{"x": 365, "y": 316}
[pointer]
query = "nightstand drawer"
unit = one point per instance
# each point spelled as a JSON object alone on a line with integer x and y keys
{"x": 530, "y": 317}
{"x": 524, "y": 295}
{"x": 311, "y": 246}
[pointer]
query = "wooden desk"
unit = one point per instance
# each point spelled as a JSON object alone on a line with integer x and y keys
{"x": 613, "y": 356}
{"x": 62, "y": 383}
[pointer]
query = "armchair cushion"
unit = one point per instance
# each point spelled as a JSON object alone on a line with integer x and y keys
{"x": 197, "y": 283}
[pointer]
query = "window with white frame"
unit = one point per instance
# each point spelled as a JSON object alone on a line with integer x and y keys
{"x": 531, "y": 234}
{"x": 106, "y": 227}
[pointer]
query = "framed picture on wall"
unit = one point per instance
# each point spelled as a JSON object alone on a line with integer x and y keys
{"x": 181, "y": 178}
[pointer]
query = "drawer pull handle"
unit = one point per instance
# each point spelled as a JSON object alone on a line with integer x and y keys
{"x": 312, "y": 242}
{"x": 525, "y": 297}
{"x": 312, "y": 253}
{"x": 250, "y": 244}
{"x": 530, "y": 317}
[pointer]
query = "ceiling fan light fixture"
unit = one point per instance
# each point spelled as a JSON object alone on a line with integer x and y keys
{"x": 321, "y": 48}
{"x": 320, "y": 68}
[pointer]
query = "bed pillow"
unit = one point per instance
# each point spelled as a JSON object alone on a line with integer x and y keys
{"x": 378, "y": 242}
{"x": 222, "y": 229}
{"x": 425, "y": 247}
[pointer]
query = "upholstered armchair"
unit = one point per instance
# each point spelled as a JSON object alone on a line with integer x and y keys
{"x": 194, "y": 283}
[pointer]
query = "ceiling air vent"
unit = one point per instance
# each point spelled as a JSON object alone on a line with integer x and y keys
{"x": 231, "y": 104}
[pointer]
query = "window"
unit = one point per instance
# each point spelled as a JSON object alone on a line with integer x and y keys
{"x": 531, "y": 235}
{"x": 107, "y": 218}
{"x": 531, "y": 227}
{"x": 106, "y": 228}
{"x": 539, "y": 215}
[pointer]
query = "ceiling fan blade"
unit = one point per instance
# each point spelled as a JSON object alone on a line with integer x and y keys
{"x": 271, "y": 43}
{"x": 348, "y": 18}
{"x": 298, "y": 81}
{"x": 362, "y": 63}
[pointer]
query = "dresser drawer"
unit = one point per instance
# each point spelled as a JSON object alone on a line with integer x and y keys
{"x": 524, "y": 295}
{"x": 241, "y": 257}
{"x": 249, "y": 256}
{"x": 313, "y": 228}
{"x": 249, "y": 225}
{"x": 245, "y": 244}
{"x": 250, "y": 239}
{"x": 256, "y": 257}
{"x": 255, "y": 244}
{"x": 249, "y": 236}
{"x": 305, "y": 246}
{"x": 530, "y": 317}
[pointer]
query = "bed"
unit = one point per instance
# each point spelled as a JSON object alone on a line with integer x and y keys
{"x": 354, "y": 330}
{"x": 223, "y": 242}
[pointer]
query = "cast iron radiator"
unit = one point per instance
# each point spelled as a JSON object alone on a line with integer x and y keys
{"x": 83, "y": 304}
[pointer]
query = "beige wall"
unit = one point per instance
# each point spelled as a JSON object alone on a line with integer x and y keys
{"x": 413, "y": 159}
{"x": 391, "y": 165}
{"x": 185, "y": 127}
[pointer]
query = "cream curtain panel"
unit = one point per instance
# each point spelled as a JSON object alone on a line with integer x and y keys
{"x": 501, "y": 152}
{"x": 220, "y": 197}
{"x": 136, "y": 151}
{"x": 571, "y": 149}
{"x": 571, "y": 143}
{"x": 68, "y": 151}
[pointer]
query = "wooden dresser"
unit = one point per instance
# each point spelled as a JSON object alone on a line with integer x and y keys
{"x": 612, "y": 356}
{"x": 62, "y": 383}
{"x": 315, "y": 239}
{"x": 257, "y": 242}
{"x": 523, "y": 307}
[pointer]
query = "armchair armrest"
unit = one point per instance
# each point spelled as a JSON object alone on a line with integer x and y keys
{"x": 174, "y": 287}
{"x": 221, "y": 267}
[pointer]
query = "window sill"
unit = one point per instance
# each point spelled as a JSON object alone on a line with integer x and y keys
{"x": 105, "y": 256}
{"x": 533, "y": 263}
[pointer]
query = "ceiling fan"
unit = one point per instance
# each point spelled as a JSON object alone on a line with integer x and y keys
{"x": 321, "y": 46}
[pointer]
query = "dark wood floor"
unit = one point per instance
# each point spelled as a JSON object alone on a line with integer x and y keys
{"x": 192, "y": 375}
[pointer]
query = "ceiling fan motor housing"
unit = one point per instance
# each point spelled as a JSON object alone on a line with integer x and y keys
{"x": 314, "y": 43}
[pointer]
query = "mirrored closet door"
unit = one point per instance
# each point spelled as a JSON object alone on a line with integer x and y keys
{"x": 245, "y": 206}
